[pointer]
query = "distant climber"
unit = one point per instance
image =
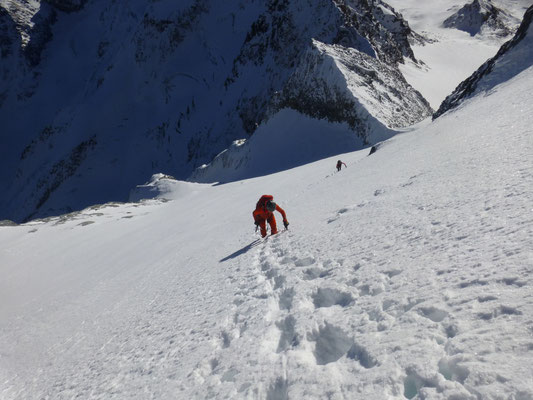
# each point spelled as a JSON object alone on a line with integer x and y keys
{"x": 340, "y": 164}
{"x": 264, "y": 212}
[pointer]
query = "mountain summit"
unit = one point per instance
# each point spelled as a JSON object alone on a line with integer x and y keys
{"x": 481, "y": 16}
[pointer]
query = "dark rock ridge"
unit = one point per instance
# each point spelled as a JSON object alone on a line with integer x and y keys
{"x": 67, "y": 5}
{"x": 361, "y": 87}
{"x": 513, "y": 57}
{"x": 481, "y": 15}
{"x": 9, "y": 49}
{"x": 385, "y": 29}
{"x": 8, "y": 35}
{"x": 60, "y": 172}
{"x": 371, "y": 28}
{"x": 40, "y": 34}
{"x": 164, "y": 86}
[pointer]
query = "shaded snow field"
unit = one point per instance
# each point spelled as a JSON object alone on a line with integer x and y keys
{"x": 406, "y": 275}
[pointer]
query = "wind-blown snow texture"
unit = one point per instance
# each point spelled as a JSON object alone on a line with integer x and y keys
{"x": 406, "y": 275}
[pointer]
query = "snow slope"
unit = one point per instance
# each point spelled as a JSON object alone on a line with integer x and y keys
{"x": 406, "y": 275}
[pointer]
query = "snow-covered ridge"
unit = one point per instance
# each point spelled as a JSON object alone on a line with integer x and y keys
{"x": 160, "y": 186}
{"x": 346, "y": 85}
{"x": 514, "y": 56}
{"x": 278, "y": 44}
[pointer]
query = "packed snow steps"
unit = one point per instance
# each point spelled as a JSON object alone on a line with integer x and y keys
{"x": 295, "y": 278}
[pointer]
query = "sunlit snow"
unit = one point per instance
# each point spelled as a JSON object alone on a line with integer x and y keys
{"x": 406, "y": 274}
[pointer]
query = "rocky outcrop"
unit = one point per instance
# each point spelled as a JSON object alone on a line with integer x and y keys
{"x": 512, "y": 58}
{"x": 160, "y": 186}
{"x": 378, "y": 23}
{"x": 283, "y": 51}
{"x": 345, "y": 85}
{"x": 480, "y": 16}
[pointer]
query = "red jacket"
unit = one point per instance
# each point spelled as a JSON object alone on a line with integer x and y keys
{"x": 261, "y": 213}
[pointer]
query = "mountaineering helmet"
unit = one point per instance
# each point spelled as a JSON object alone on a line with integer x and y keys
{"x": 271, "y": 206}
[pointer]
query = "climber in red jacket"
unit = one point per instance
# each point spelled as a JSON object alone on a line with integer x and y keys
{"x": 264, "y": 212}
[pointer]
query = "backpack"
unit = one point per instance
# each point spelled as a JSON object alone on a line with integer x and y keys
{"x": 263, "y": 200}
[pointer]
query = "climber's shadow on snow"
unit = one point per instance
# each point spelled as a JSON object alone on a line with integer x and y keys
{"x": 241, "y": 251}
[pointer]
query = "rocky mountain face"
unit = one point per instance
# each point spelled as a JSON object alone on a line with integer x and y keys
{"x": 481, "y": 16}
{"x": 9, "y": 51}
{"x": 513, "y": 57}
{"x": 343, "y": 84}
{"x": 286, "y": 51}
{"x": 118, "y": 91}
